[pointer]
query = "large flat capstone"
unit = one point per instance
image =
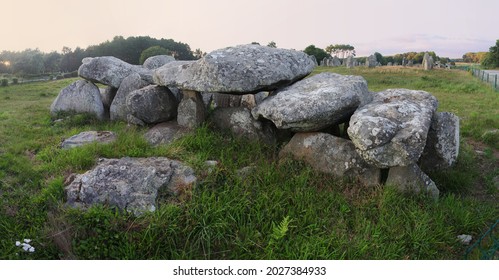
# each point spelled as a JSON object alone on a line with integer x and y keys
{"x": 314, "y": 103}
{"x": 240, "y": 69}
{"x": 110, "y": 70}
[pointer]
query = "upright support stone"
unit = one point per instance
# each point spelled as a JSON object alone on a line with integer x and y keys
{"x": 412, "y": 179}
{"x": 191, "y": 110}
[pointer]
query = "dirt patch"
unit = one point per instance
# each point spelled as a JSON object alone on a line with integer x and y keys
{"x": 486, "y": 186}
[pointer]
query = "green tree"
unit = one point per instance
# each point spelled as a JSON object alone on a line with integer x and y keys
{"x": 71, "y": 60}
{"x": 318, "y": 53}
{"x": 153, "y": 51}
{"x": 341, "y": 50}
{"x": 28, "y": 62}
{"x": 491, "y": 59}
{"x": 51, "y": 62}
{"x": 198, "y": 53}
{"x": 380, "y": 58}
{"x": 272, "y": 44}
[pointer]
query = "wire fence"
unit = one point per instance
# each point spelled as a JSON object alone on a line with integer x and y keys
{"x": 487, "y": 246}
{"x": 489, "y": 76}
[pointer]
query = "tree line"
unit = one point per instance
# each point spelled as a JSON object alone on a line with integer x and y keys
{"x": 344, "y": 50}
{"x": 488, "y": 59}
{"x": 131, "y": 50}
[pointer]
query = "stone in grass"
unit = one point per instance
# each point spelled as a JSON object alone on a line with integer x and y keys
{"x": 130, "y": 184}
{"x": 465, "y": 239}
{"x": 165, "y": 133}
{"x": 88, "y": 137}
{"x": 79, "y": 97}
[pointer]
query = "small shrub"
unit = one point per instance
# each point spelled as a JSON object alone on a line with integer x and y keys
{"x": 4, "y": 82}
{"x": 59, "y": 77}
{"x": 15, "y": 81}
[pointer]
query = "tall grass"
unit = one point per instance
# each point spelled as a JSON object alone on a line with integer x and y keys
{"x": 281, "y": 210}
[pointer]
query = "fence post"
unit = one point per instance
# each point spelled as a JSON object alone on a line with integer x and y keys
{"x": 487, "y": 77}
{"x": 483, "y": 75}
{"x": 495, "y": 83}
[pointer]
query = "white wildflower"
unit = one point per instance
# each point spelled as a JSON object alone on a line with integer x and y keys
{"x": 26, "y": 247}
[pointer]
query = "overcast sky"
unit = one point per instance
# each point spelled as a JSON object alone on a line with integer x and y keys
{"x": 448, "y": 27}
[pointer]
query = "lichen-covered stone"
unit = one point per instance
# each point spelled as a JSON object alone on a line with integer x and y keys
{"x": 392, "y": 129}
{"x": 442, "y": 144}
{"x": 314, "y": 103}
{"x": 165, "y": 133}
{"x": 79, "y": 97}
{"x": 152, "y": 104}
{"x": 239, "y": 122}
{"x": 411, "y": 179}
{"x": 154, "y": 62}
{"x": 241, "y": 69}
{"x": 88, "y": 137}
{"x": 130, "y": 184}
{"x": 118, "y": 109}
{"x": 191, "y": 110}
{"x": 110, "y": 70}
{"x": 330, "y": 154}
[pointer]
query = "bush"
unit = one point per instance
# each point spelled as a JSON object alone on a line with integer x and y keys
{"x": 4, "y": 82}
{"x": 59, "y": 77}
{"x": 15, "y": 81}
{"x": 491, "y": 59}
{"x": 153, "y": 51}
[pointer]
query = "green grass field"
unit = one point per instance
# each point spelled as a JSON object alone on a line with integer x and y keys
{"x": 284, "y": 210}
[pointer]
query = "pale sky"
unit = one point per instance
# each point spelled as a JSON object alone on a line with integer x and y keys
{"x": 448, "y": 27}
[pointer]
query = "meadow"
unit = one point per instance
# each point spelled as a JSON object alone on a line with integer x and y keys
{"x": 283, "y": 210}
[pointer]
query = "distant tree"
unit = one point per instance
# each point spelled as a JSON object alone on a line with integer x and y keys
{"x": 153, "y": 51}
{"x": 474, "y": 57}
{"x": 379, "y": 58}
{"x": 341, "y": 50}
{"x": 71, "y": 60}
{"x": 318, "y": 53}
{"x": 255, "y": 43}
{"x": 131, "y": 48}
{"x": 28, "y": 62}
{"x": 272, "y": 44}
{"x": 51, "y": 61}
{"x": 198, "y": 53}
{"x": 491, "y": 59}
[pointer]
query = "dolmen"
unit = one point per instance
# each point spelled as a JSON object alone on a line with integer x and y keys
{"x": 331, "y": 121}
